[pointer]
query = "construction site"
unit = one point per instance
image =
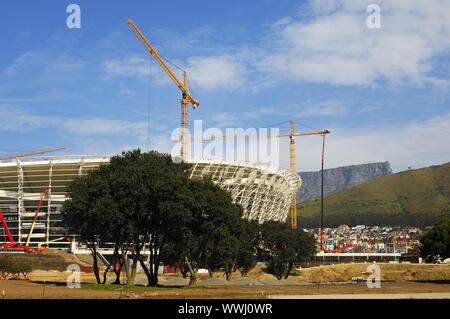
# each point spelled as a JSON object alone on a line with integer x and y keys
{"x": 33, "y": 189}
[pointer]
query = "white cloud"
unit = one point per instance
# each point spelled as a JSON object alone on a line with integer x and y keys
{"x": 132, "y": 67}
{"x": 306, "y": 109}
{"x": 416, "y": 144}
{"x": 282, "y": 22}
{"x": 106, "y": 146}
{"x": 214, "y": 72}
{"x": 18, "y": 119}
{"x": 225, "y": 119}
{"x": 204, "y": 72}
{"x": 40, "y": 63}
{"x": 337, "y": 47}
{"x": 101, "y": 126}
{"x": 135, "y": 67}
{"x": 323, "y": 108}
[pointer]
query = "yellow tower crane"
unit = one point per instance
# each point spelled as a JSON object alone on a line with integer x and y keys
{"x": 291, "y": 136}
{"x": 186, "y": 98}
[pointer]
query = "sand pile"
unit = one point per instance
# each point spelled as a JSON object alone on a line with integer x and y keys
{"x": 345, "y": 272}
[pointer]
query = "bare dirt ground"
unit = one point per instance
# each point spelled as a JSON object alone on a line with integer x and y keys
{"x": 397, "y": 281}
{"x": 21, "y": 289}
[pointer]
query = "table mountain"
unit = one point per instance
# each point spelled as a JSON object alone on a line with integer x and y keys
{"x": 338, "y": 179}
{"x": 418, "y": 197}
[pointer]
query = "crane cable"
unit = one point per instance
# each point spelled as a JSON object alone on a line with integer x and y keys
{"x": 149, "y": 105}
{"x": 150, "y": 96}
{"x": 321, "y": 197}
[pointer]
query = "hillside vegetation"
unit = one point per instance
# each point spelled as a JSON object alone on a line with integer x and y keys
{"x": 415, "y": 197}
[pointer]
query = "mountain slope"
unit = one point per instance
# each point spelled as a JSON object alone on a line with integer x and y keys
{"x": 415, "y": 197}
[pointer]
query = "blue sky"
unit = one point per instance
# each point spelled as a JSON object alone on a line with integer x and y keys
{"x": 383, "y": 92}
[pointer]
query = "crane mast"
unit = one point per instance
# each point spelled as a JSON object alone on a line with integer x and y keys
{"x": 186, "y": 98}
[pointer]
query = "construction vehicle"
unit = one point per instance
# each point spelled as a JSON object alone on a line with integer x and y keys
{"x": 32, "y": 153}
{"x": 40, "y": 248}
{"x": 186, "y": 98}
{"x": 291, "y": 136}
{"x": 35, "y": 217}
{"x": 349, "y": 245}
{"x": 10, "y": 246}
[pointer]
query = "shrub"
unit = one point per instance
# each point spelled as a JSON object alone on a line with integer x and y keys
{"x": 6, "y": 266}
{"x": 10, "y": 268}
{"x": 21, "y": 269}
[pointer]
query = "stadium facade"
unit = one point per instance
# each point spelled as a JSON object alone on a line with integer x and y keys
{"x": 265, "y": 192}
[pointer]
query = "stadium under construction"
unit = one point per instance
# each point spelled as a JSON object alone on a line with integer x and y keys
{"x": 30, "y": 184}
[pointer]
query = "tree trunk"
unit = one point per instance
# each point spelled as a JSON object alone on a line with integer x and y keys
{"x": 125, "y": 263}
{"x": 94, "y": 257}
{"x": 152, "y": 273}
{"x": 192, "y": 279}
{"x": 111, "y": 263}
{"x": 118, "y": 271}
{"x": 130, "y": 280}
{"x": 105, "y": 273}
{"x": 227, "y": 272}
{"x": 289, "y": 270}
{"x": 192, "y": 272}
{"x": 152, "y": 270}
{"x": 184, "y": 270}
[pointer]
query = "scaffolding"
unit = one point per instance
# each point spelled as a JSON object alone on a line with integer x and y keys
{"x": 23, "y": 182}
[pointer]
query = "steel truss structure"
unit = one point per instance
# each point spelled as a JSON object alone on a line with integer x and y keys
{"x": 264, "y": 191}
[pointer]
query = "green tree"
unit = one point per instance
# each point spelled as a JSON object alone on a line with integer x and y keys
{"x": 20, "y": 269}
{"x": 249, "y": 242}
{"x": 6, "y": 267}
{"x": 232, "y": 241}
{"x": 224, "y": 248}
{"x": 232, "y": 246}
{"x": 207, "y": 222}
{"x": 435, "y": 243}
{"x": 90, "y": 211}
{"x": 164, "y": 198}
{"x": 282, "y": 246}
{"x": 171, "y": 254}
{"x": 135, "y": 202}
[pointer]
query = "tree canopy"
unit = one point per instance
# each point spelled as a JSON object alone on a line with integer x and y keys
{"x": 132, "y": 201}
{"x": 282, "y": 246}
{"x": 208, "y": 227}
{"x": 435, "y": 243}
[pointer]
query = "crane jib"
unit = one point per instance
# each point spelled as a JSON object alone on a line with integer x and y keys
{"x": 158, "y": 58}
